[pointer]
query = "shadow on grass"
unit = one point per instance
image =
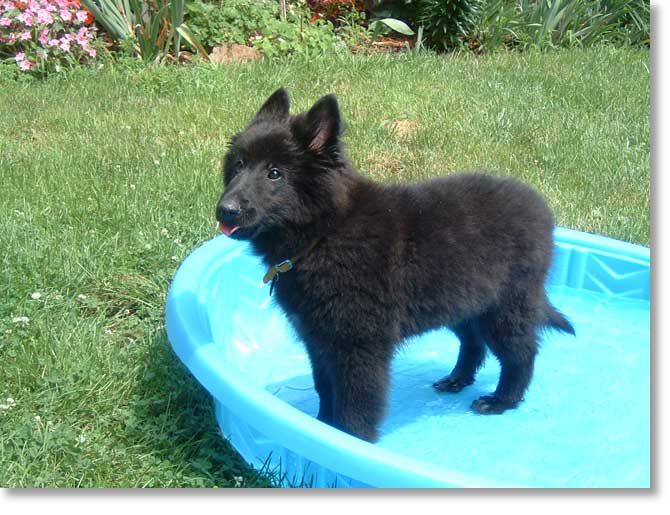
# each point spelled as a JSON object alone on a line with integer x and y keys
{"x": 173, "y": 415}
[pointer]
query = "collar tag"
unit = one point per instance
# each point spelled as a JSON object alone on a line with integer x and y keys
{"x": 275, "y": 270}
{"x": 273, "y": 273}
{"x": 284, "y": 266}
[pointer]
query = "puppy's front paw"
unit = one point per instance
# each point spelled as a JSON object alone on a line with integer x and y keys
{"x": 452, "y": 384}
{"x": 367, "y": 433}
{"x": 492, "y": 405}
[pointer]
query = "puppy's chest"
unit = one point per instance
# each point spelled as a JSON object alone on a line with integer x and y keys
{"x": 308, "y": 308}
{"x": 316, "y": 286}
{"x": 309, "y": 292}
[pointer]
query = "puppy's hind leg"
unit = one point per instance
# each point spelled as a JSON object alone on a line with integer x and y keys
{"x": 470, "y": 357}
{"x": 512, "y": 337}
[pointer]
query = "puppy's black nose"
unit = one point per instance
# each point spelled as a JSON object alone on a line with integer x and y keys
{"x": 227, "y": 212}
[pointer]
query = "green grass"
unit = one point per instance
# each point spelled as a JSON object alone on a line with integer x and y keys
{"x": 109, "y": 179}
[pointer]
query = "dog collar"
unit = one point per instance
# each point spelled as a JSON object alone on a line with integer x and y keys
{"x": 275, "y": 270}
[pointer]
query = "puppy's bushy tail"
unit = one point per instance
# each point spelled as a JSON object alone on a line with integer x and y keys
{"x": 557, "y": 320}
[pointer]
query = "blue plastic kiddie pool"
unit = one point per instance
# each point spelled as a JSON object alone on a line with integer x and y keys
{"x": 585, "y": 421}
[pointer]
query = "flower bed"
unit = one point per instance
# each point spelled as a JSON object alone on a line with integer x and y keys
{"x": 44, "y": 35}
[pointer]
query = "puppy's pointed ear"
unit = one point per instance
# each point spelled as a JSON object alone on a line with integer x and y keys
{"x": 323, "y": 124}
{"x": 275, "y": 108}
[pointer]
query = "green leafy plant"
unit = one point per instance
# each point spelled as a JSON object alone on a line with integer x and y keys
{"x": 377, "y": 26}
{"x": 546, "y": 24}
{"x": 258, "y": 24}
{"x": 296, "y": 36}
{"x": 396, "y": 16}
{"x": 152, "y": 29}
{"x": 521, "y": 24}
{"x": 635, "y": 20}
{"x": 226, "y": 22}
{"x": 405, "y": 10}
{"x": 550, "y": 23}
{"x": 447, "y": 23}
{"x": 352, "y": 27}
{"x": 497, "y": 27}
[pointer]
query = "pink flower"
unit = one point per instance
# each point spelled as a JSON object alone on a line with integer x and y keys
{"x": 25, "y": 35}
{"x": 44, "y": 17}
{"x": 11, "y": 38}
{"x": 25, "y": 65}
{"x": 19, "y": 57}
{"x": 26, "y": 18}
{"x": 82, "y": 16}
{"x": 44, "y": 37}
{"x": 64, "y": 45}
{"x": 81, "y": 38}
{"x": 92, "y": 52}
{"x": 53, "y": 42}
{"x": 65, "y": 15}
{"x": 5, "y": 22}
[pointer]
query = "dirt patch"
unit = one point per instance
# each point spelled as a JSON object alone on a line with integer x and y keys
{"x": 390, "y": 43}
{"x": 402, "y": 129}
{"x": 233, "y": 53}
{"x": 382, "y": 165}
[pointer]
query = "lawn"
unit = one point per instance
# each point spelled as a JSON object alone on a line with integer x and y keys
{"x": 109, "y": 179}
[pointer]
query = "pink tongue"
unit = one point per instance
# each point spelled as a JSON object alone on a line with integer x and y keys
{"x": 227, "y": 229}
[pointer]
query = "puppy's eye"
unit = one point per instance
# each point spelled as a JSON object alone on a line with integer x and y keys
{"x": 239, "y": 163}
{"x": 274, "y": 174}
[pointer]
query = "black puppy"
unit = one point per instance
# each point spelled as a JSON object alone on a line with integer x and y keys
{"x": 359, "y": 266}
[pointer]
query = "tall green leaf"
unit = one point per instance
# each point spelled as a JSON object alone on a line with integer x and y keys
{"x": 154, "y": 27}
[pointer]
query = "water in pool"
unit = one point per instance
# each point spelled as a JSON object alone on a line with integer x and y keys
{"x": 585, "y": 421}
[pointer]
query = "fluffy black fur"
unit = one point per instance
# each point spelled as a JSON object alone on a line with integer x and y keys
{"x": 469, "y": 252}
